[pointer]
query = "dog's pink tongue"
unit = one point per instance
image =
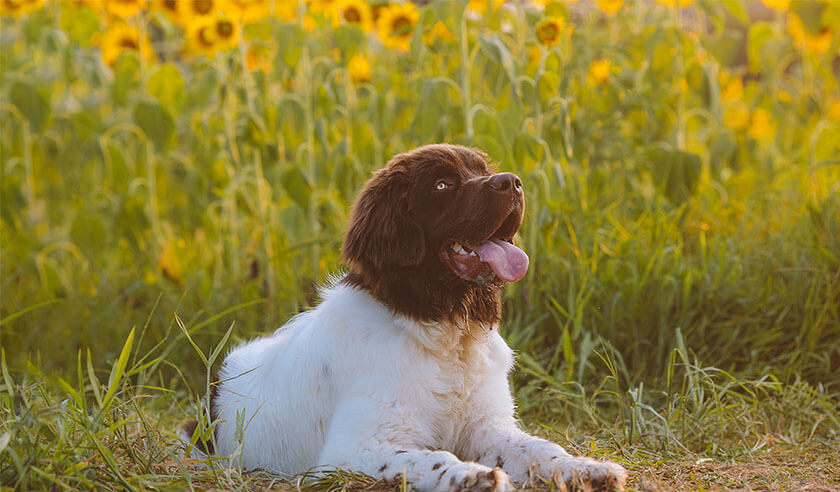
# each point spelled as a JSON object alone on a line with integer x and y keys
{"x": 508, "y": 262}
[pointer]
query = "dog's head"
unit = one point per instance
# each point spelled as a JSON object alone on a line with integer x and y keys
{"x": 432, "y": 233}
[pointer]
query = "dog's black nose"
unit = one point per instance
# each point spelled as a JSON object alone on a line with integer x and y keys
{"x": 506, "y": 183}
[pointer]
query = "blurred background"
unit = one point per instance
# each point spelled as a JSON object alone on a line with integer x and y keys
{"x": 199, "y": 158}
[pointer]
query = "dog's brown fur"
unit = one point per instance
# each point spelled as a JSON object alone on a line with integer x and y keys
{"x": 400, "y": 223}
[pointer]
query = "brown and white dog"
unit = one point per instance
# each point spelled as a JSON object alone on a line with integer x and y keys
{"x": 400, "y": 370}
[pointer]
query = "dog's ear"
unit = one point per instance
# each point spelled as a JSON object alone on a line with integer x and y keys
{"x": 382, "y": 233}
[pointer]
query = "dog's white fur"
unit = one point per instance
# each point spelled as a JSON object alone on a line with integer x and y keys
{"x": 350, "y": 384}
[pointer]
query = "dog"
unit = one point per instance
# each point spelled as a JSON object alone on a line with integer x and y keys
{"x": 400, "y": 370}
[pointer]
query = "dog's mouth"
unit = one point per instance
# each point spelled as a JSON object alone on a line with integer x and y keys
{"x": 485, "y": 260}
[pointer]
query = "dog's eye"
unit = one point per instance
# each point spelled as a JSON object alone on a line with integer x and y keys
{"x": 441, "y": 185}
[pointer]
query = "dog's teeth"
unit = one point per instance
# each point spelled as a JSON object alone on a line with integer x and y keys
{"x": 458, "y": 249}
{"x": 473, "y": 253}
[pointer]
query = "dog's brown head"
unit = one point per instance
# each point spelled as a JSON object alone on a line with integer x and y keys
{"x": 431, "y": 234}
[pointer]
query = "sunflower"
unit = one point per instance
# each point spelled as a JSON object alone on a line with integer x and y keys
{"x": 248, "y": 10}
{"x": 122, "y": 38}
{"x": 211, "y": 35}
{"x": 733, "y": 90}
{"x": 483, "y": 7}
{"x": 777, "y": 4}
{"x": 610, "y": 6}
{"x": 599, "y": 72}
{"x": 258, "y": 58}
{"x": 192, "y": 12}
{"x": 124, "y": 9}
{"x": 327, "y": 9}
{"x": 359, "y": 69}
{"x": 356, "y": 12}
{"x": 833, "y": 111}
{"x": 396, "y": 25}
{"x": 761, "y": 125}
{"x": 552, "y": 29}
{"x": 736, "y": 118}
{"x": 439, "y": 31}
{"x": 286, "y": 11}
{"x": 168, "y": 7}
{"x": 803, "y": 38}
{"x": 676, "y": 3}
{"x": 16, "y": 8}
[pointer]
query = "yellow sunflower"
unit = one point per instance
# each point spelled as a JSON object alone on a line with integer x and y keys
{"x": 762, "y": 126}
{"x": 359, "y": 69}
{"x": 599, "y": 72}
{"x": 124, "y": 9}
{"x": 551, "y": 30}
{"x": 396, "y": 25}
{"x": 249, "y": 10}
{"x": 286, "y": 11}
{"x": 192, "y": 12}
{"x": 803, "y": 38}
{"x": 833, "y": 111}
{"x": 16, "y": 8}
{"x": 121, "y": 38}
{"x": 777, "y": 4}
{"x": 733, "y": 90}
{"x": 258, "y": 58}
{"x": 439, "y": 31}
{"x": 676, "y": 3}
{"x": 736, "y": 118}
{"x": 356, "y": 12}
{"x": 168, "y": 7}
{"x": 325, "y": 8}
{"x": 209, "y": 35}
{"x": 610, "y": 6}
{"x": 483, "y": 7}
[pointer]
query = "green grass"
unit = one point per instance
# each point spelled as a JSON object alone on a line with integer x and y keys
{"x": 121, "y": 433}
{"x": 681, "y": 311}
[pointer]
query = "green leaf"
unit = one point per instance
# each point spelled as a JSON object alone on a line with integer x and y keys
{"x": 221, "y": 344}
{"x": 548, "y": 86}
{"x": 348, "y": 39}
{"x": 450, "y": 13}
{"x": 831, "y": 17}
{"x": 189, "y": 339}
{"x": 126, "y": 77}
{"x": 4, "y": 441}
{"x": 290, "y": 39}
{"x": 765, "y": 47}
{"x": 675, "y": 173}
{"x": 117, "y": 372}
{"x": 497, "y": 51}
{"x": 557, "y": 9}
{"x": 810, "y": 12}
{"x": 725, "y": 47}
{"x": 167, "y": 85}
{"x": 26, "y": 310}
{"x": 94, "y": 381}
{"x": 528, "y": 153}
{"x": 296, "y": 185}
{"x": 737, "y": 9}
{"x": 81, "y": 26}
{"x": 568, "y": 354}
{"x": 156, "y": 123}
{"x": 7, "y": 378}
{"x": 77, "y": 398}
{"x": 30, "y": 102}
{"x": 88, "y": 231}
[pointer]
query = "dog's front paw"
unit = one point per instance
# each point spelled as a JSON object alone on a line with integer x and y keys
{"x": 587, "y": 475}
{"x": 472, "y": 477}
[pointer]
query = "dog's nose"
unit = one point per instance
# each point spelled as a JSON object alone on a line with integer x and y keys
{"x": 506, "y": 183}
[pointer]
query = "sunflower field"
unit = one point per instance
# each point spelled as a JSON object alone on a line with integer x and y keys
{"x": 176, "y": 176}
